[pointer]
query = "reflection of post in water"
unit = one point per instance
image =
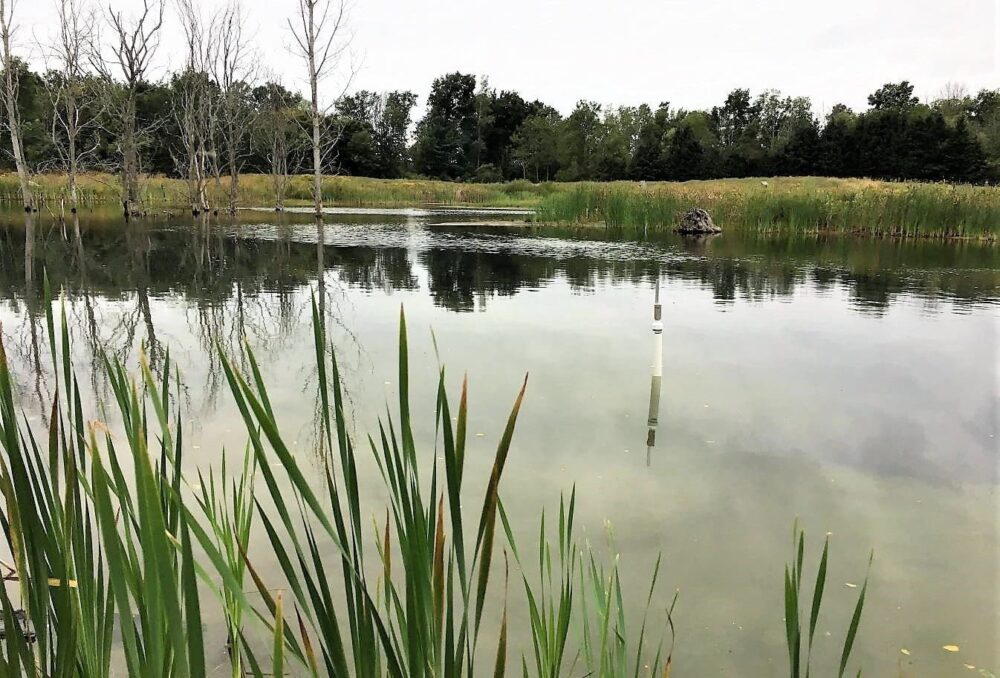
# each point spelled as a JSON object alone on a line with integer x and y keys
{"x": 654, "y": 383}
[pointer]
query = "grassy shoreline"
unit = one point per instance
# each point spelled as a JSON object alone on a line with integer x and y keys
{"x": 774, "y": 205}
{"x": 256, "y": 190}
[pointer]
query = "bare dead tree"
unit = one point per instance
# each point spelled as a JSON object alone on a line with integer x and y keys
{"x": 9, "y": 94}
{"x": 321, "y": 40}
{"x": 953, "y": 91}
{"x": 278, "y": 157}
{"x": 68, "y": 92}
{"x": 235, "y": 72}
{"x": 133, "y": 44}
{"x": 196, "y": 105}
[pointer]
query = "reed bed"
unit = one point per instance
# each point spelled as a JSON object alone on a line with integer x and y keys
{"x": 108, "y": 538}
{"x": 792, "y": 205}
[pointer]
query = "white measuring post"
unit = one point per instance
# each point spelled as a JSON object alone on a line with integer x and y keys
{"x": 657, "y": 334}
{"x": 657, "y": 376}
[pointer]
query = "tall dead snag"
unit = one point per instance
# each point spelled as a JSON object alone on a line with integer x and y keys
{"x": 132, "y": 44}
{"x": 195, "y": 106}
{"x": 9, "y": 94}
{"x": 235, "y": 71}
{"x": 68, "y": 90}
{"x": 319, "y": 30}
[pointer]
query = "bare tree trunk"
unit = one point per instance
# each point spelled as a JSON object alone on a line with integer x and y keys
{"x": 132, "y": 48}
{"x": 234, "y": 172}
{"x": 200, "y": 194}
{"x": 75, "y": 33}
{"x": 317, "y": 155}
{"x": 72, "y": 171}
{"x": 314, "y": 113}
{"x": 10, "y": 88}
{"x": 318, "y": 34}
{"x": 130, "y": 159}
{"x": 235, "y": 71}
{"x": 197, "y": 105}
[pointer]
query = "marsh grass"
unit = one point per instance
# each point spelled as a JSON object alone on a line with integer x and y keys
{"x": 787, "y": 205}
{"x": 255, "y": 190}
{"x": 784, "y": 205}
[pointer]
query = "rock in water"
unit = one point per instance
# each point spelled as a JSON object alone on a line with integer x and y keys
{"x": 697, "y": 222}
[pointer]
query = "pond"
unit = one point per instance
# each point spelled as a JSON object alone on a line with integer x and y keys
{"x": 848, "y": 383}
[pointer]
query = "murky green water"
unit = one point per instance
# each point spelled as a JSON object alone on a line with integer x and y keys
{"x": 850, "y": 383}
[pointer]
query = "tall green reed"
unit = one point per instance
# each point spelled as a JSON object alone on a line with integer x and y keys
{"x": 795, "y": 634}
{"x": 427, "y": 620}
{"x": 227, "y": 504}
{"x": 97, "y": 547}
{"x": 895, "y": 210}
{"x": 108, "y": 536}
{"x": 554, "y": 601}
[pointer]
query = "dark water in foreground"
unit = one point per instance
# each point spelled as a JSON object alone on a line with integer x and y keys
{"x": 850, "y": 383}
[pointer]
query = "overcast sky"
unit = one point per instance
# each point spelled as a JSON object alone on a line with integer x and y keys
{"x": 688, "y": 52}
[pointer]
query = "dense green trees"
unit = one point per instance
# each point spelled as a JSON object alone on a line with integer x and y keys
{"x": 469, "y": 131}
{"x": 893, "y": 96}
{"x": 373, "y": 131}
{"x": 535, "y": 146}
{"x": 446, "y": 135}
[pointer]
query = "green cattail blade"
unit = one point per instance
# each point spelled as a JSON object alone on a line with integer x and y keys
{"x": 852, "y": 631}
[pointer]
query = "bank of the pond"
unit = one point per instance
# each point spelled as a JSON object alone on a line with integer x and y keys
{"x": 783, "y": 204}
{"x": 257, "y": 190}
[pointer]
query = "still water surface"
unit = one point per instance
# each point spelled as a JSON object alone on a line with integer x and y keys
{"x": 849, "y": 383}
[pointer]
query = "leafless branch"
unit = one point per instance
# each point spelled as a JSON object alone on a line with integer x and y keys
{"x": 321, "y": 39}
{"x": 123, "y": 63}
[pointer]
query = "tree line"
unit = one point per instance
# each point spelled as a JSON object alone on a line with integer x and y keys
{"x": 471, "y": 132}
{"x": 95, "y": 106}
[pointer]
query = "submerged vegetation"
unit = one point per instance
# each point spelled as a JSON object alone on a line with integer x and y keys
{"x": 108, "y": 537}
